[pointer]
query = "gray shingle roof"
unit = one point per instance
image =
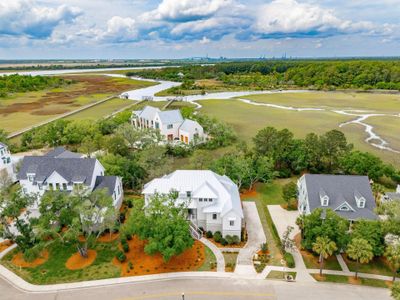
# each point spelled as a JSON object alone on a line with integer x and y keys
{"x": 190, "y": 125}
{"x": 61, "y": 152}
{"x": 341, "y": 188}
{"x": 68, "y": 168}
{"x": 106, "y": 182}
{"x": 170, "y": 116}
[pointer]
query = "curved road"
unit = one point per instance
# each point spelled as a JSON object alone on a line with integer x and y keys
{"x": 206, "y": 289}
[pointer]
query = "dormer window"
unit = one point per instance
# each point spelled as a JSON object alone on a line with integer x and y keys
{"x": 323, "y": 197}
{"x": 360, "y": 200}
{"x": 170, "y": 126}
{"x": 31, "y": 177}
{"x": 344, "y": 208}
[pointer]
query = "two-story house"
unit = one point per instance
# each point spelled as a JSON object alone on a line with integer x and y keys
{"x": 171, "y": 125}
{"x": 213, "y": 200}
{"x": 64, "y": 170}
{"x": 349, "y": 196}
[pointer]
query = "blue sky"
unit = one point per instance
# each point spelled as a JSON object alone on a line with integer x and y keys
{"x": 183, "y": 28}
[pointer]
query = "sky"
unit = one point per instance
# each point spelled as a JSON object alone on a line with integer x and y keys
{"x": 139, "y": 29}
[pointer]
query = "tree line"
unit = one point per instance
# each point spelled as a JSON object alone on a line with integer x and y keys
{"x": 21, "y": 83}
{"x": 346, "y": 74}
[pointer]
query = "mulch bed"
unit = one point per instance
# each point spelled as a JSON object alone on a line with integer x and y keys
{"x": 108, "y": 238}
{"x": 77, "y": 262}
{"x": 143, "y": 264}
{"x": 249, "y": 194}
{"x": 4, "y": 245}
{"x": 219, "y": 245}
{"x": 19, "y": 261}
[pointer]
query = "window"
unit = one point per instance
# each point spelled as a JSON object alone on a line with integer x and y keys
{"x": 209, "y": 200}
{"x": 64, "y": 186}
{"x": 200, "y": 199}
{"x": 51, "y": 187}
{"x": 57, "y": 186}
{"x": 344, "y": 208}
{"x": 325, "y": 202}
{"x": 214, "y": 216}
{"x": 188, "y": 194}
{"x": 231, "y": 223}
{"x": 31, "y": 177}
{"x": 170, "y": 126}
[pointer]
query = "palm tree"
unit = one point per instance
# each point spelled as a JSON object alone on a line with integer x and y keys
{"x": 393, "y": 256}
{"x": 325, "y": 248}
{"x": 360, "y": 250}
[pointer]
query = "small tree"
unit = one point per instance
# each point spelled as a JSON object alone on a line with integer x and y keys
{"x": 360, "y": 251}
{"x": 289, "y": 191}
{"x": 393, "y": 256}
{"x": 325, "y": 248}
{"x": 163, "y": 224}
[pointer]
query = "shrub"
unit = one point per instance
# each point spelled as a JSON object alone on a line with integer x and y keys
{"x": 128, "y": 236}
{"x": 289, "y": 260}
{"x": 130, "y": 265}
{"x": 120, "y": 256}
{"x": 122, "y": 217}
{"x": 396, "y": 290}
{"x": 235, "y": 240}
{"x": 209, "y": 234}
{"x": 125, "y": 247}
{"x": 217, "y": 236}
{"x": 124, "y": 241}
{"x": 224, "y": 242}
{"x": 229, "y": 239}
{"x": 130, "y": 204}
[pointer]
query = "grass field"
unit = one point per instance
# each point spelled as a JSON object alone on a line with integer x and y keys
{"x": 377, "y": 266}
{"x": 248, "y": 119}
{"x": 351, "y": 280}
{"x": 23, "y": 110}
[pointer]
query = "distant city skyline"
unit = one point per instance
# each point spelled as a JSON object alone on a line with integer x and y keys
{"x": 133, "y": 29}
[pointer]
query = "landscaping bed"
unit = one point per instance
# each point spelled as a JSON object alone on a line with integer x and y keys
{"x": 352, "y": 280}
{"x": 280, "y": 275}
{"x": 230, "y": 261}
{"x": 63, "y": 264}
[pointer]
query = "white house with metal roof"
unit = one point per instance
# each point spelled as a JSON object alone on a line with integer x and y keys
{"x": 213, "y": 200}
{"x": 349, "y": 196}
{"x": 63, "y": 170}
{"x": 170, "y": 123}
{"x": 6, "y": 162}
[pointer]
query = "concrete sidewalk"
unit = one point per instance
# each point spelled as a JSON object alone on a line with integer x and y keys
{"x": 218, "y": 254}
{"x": 361, "y": 275}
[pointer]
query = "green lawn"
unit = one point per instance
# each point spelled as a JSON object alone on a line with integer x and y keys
{"x": 351, "y": 280}
{"x": 54, "y": 270}
{"x": 311, "y": 261}
{"x": 230, "y": 260}
{"x": 210, "y": 263}
{"x": 279, "y": 275}
{"x": 376, "y": 266}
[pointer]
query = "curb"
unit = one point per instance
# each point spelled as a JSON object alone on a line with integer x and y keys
{"x": 27, "y": 287}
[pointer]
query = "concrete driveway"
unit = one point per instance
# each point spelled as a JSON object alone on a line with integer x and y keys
{"x": 256, "y": 236}
{"x": 283, "y": 218}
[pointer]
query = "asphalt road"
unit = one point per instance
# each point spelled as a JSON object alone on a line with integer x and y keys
{"x": 206, "y": 289}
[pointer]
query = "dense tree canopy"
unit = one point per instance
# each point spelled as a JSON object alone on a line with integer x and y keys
{"x": 22, "y": 83}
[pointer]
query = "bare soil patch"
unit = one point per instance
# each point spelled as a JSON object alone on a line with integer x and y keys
{"x": 249, "y": 194}
{"x": 139, "y": 263}
{"x": 49, "y": 112}
{"x": 19, "y": 261}
{"x": 77, "y": 262}
{"x": 4, "y": 245}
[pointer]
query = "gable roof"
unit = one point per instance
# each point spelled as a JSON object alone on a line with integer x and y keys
{"x": 166, "y": 117}
{"x": 106, "y": 182}
{"x": 197, "y": 181}
{"x": 3, "y": 145}
{"x": 190, "y": 125}
{"x": 71, "y": 169}
{"x": 61, "y": 152}
{"x": 341, "y": 189}
{"x": 170, "y": 116}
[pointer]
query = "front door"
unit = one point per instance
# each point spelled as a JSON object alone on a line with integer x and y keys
{"x": 192, "y": 214}
{"x": 170, "y": 137}
{"x": 186, "y": 140}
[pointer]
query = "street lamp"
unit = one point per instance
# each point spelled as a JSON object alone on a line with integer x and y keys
{"x": 183, "y": 296}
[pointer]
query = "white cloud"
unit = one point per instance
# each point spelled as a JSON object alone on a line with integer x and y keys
{"x": 184, "y": 10}
{"x": 28, "y": 18}
{"x": 121, "y": 29}
{"x": 291, "y": 18}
